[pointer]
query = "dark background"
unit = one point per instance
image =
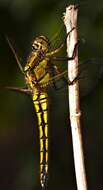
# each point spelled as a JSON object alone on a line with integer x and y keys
{"x": 21, "y": 21}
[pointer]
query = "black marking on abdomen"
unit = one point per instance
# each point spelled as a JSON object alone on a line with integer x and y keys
{"x": 40, "y": 102}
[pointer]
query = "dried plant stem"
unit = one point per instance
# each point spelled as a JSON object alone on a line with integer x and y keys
{"x": 70, "y": 20}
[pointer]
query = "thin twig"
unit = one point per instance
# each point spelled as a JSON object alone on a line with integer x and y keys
{"x": 70, "y": 20}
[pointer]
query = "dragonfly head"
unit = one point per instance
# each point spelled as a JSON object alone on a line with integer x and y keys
{"x": 40, "y": 47}
{"x": 41, "y": 44}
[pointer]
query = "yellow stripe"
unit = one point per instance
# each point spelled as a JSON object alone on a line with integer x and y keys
{"x": 43, "y": 95}
{"x": 45, "y": 116}
{"x": 41, "y": 168}
{"x": 46, "y": 157}
{"x": 40, "y": 131}
{"x": 46, "y": 130}
{"x": 41, "y": 144}
{"x": 46, "y": 144}
{"x": 37, "y": 106}
{"x": 35, "y": 96}
{"x": 44, "y": 105}
{"x": 39, "y": 118}
{"x": 46, "y": 168}
{"x": 41, "y": 157}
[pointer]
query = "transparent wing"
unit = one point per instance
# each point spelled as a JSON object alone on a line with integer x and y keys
{"x": 90, "y": 73}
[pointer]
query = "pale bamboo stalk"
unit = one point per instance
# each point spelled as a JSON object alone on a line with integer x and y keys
{"x": 70, "y": 20}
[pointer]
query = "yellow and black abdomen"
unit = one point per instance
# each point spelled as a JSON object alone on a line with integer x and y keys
{"x": 41, "y": 106}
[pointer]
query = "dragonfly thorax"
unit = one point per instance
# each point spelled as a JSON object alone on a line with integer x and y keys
{"x": 39, "y": 76}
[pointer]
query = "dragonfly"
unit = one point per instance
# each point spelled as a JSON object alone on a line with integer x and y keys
{"x": 40, "y": 73}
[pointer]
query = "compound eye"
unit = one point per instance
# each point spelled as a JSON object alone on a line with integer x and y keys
{"x": 35, "y": 47}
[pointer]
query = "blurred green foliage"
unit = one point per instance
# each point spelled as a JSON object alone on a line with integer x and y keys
{"x": 21, "y": 21}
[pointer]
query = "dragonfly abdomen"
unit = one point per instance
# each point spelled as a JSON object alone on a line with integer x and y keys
{"x": 40, "y": 103}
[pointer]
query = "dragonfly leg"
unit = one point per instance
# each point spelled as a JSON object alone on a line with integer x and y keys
{"x": 74, "y": 52}
{"x": 74, "y": 80}
{"x": 52, "y": 53}
{"x": 15, "y": 55}
{"x": 66, "y": 58}
{"x": 16, "y": 89}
